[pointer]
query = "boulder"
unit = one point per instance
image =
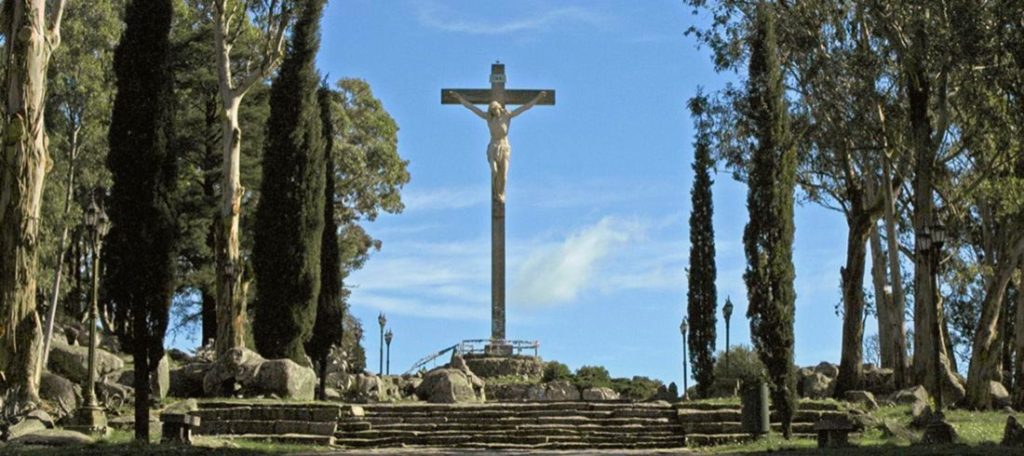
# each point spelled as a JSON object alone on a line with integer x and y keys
{"x": 72, "y": 361}
{"x": 1000, "y": 397}
{"x": 447, "y": 386}
{"x": 53, "y": 438}
{"x": 879, "y": 381}
{"x": 59, "y": 390}
{"x": 187, "y": 381}
{"x": 556, "y": 391}
{"x": 182, "y": 407}
{"x": 179, "y": 356}
{"x": 508, "y": 392}
{"x": 601, "y": 394}
{"x": 285, "y": 379}
{"x": 864, "y": 398}
{"x": 817, "y": 386}
{"x": 911, "y": 395}
{"x": 1013, "y": 433}
{"x": 114, "y": 394}
{"x": 35, "y": 421}
{"x": 827, "y": 369}
{"x": 227, "y": 375}
{"x": 159, "y": 379}
{"x": 921, "y": 414}
{"x": 110, "y": 343}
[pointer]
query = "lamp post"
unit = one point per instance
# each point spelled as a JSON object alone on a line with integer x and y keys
{"x": 91, "y": 417}
{"x": 387, "y": 340}
{"x": 930, "y": 242}
{"x": 727, "y": 311}
{"x": 683, "y": 327}
{"x": 383, "y": 321}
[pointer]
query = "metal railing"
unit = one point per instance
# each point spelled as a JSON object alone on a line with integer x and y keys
{"x": 474, "y": 347}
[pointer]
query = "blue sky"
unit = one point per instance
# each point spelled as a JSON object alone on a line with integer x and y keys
{"x": 598, "y": 193}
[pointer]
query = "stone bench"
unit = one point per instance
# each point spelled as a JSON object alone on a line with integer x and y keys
{"x": 177, "y": 427}
{"x": 833, "y": 432}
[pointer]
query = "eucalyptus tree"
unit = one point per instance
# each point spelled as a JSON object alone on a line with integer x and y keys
{"x": 249, "y": 44}
{"x": 78, "y": 114}
{"x": 32, "y": 29}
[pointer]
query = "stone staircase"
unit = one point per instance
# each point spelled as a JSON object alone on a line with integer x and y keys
{"x": 714, "y": 424}
{"x": 558, "y": 425}
{"x": 306, "y": 424}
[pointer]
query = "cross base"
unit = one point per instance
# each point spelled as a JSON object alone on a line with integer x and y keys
{"x": 498, "y": 349}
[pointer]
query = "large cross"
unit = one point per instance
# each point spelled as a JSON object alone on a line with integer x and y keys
{"x": 498, "y": 93}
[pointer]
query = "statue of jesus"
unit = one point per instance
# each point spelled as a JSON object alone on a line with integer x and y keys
{"x": 498, "y": 151}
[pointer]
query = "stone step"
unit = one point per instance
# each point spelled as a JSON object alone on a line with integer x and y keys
{"x": 801, "y": 416}
{"x": 513, "y": 421}
{"x": 464, "y": 439}
{"x": 585, "y": 433}
{"x": 485, "y": 426}
{"x": 239, "y": 427}
{"x": 293, "y": 439}
{"x": 290, "y": 413}
{"x": 484, "y": 414}
{"x": 353, "y": 425}
{"x": 518, "y": 406}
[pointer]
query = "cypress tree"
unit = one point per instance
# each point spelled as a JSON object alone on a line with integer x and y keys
{"x": 768, "y": 237}
{"x": 290, "y": 214}
{"x": 142, "y": 243}
{"x": 327, "y": 331}
{"x": 702, "y": 295}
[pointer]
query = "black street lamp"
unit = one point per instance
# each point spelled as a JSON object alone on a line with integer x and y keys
{"x": 930, "y": 241}
{"x": 727, "y": 311}
{"x": 387, "y": 340}
{"x": 91, "y": 417}
{"x": 683, "y": 327}
{"x": 383, "y": 321}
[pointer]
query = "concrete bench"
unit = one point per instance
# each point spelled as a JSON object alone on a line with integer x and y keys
{"x": 833, "y": 433}
{"x": 177, "y": 427}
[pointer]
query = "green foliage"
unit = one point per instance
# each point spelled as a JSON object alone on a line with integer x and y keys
{"x": 141, "y": 248}
{"x": 327, "y": 330}
{"x": 592, "y": 376}
{"x": 290, "y": 213}
{"x": 743, "y": 366}
{"x": 702, "y": 295}
{"x": 637, "y": 388}
{"x": 768, "y": 237}
{"x": 554, "y": 370}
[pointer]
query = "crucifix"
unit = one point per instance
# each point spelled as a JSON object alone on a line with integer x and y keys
{"x": 498, "y": 154}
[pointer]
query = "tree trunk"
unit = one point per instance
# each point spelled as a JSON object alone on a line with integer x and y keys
{"x": 1018, "y": 357}
{"x": 58, "y": 273}
{"x": 230, "y": 309}
{"x": 31, "y": 38}
{"x": 852, "y": 358}
{"x": 897, "y": 304}
{"x": 985, "y": 356}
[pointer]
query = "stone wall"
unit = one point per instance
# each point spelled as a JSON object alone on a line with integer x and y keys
{"x": 526, "y": 367}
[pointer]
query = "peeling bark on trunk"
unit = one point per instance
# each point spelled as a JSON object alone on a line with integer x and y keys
{"x": 883, "y": 301}
{"x": 230, "y": 308}
{"x": 32, "y": 36}
{"x": 985, "y": 355}
{"x": 897, "y": 303}
{"x": 852, "y": 358}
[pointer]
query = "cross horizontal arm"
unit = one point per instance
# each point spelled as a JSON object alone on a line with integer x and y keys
{"x": 512, "y": 97}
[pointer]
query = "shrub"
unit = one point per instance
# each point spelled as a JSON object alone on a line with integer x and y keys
{"x": 554, "y": 370}
{"x": 743, "y": 366}
{"x": 638, "y": 388}
{"x": 593, "y": 376}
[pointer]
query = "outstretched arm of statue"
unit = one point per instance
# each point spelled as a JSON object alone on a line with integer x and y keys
{"x": 529, "y": 105}
{"x": 468, "y": 105}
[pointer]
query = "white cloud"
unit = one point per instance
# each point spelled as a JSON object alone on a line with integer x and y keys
{"x": 434, "y": 15}
{"x": 443, "y": 198}
{"x": 558, "y": 273}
